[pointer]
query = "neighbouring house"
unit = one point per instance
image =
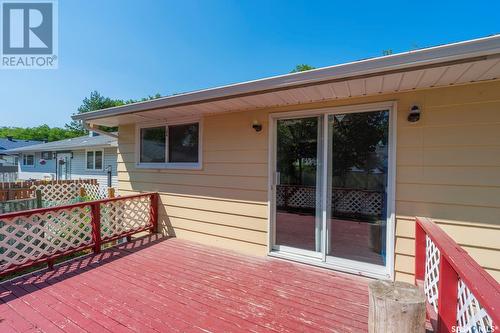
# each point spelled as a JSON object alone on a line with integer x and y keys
{"x": 330, "y": 166}
{"x": 8, "y": 163}
{"x": 87, "y": 157}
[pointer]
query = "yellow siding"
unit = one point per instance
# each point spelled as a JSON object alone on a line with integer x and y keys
{"x": 448, "y": 168}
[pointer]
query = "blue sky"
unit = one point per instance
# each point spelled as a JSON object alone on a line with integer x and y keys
{"x": 134, "y": 48}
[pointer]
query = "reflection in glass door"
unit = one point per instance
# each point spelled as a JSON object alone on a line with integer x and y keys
{"x": 357, "y": 186}
{"x": 297, "y": 219}
{"x": 331, "y": 189}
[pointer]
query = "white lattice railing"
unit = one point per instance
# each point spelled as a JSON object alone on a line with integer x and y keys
{"x": 95, "y": 191}
{"x": 123, "y": 216}
{"x": 344, "y": 200}
{"x": 43, "y": 235}
{"x": 462, "y": 296}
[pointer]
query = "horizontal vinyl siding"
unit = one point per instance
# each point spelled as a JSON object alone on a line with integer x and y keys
{"x": 448, "y": 168}
{"x": 78, "y": 168}
{"x": 225, "y": 203}
{"x": 79, "y": 171}
{"x": 37, "y": 171}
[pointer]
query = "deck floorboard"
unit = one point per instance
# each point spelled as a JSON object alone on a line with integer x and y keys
{"x": 156, "y": 284}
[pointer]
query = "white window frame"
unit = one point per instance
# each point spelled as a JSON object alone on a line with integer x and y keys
{"x": 24, "y": 160}
{"x": 93, "y": 159}
{"x": 350, "y": 266}
{"x": 169, "y": 165}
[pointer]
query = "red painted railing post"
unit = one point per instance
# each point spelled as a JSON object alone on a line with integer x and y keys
{"x": 448, "y": 297}
{"x": 96, "y": 226}
{"x": 153, "y": 213}
{"x": 50, "y": 264}
{"x": 419, "y": 252}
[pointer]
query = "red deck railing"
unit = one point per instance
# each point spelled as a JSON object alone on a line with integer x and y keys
{"x": 461, "y": 295}
{"x": 43, "y": 235}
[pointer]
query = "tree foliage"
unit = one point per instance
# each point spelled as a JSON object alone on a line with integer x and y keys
{"x": 38, "y": 133}
{"x": 73, "y": 129}
{"x": 356, "y": 137}
{"x": 302, "y": 68}
{"x": 98, "y": 102}
{"x": 297, "y": 149}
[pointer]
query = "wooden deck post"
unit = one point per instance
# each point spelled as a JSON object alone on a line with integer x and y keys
{"x": 38, "y": 194}
{"x": 419, "y": 253}
{"x": 448, "y": 299}
{"x": 111, "y": 192}
{"x": 153, "y": 213}
{"x": 395, "y": 307}
{"x": 96, "y": 226}
{"x": 82, "y": 193}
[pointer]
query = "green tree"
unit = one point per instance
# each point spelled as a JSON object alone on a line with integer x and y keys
{"x": 302, "y": 68}
{"x": 95, "y": 102}
{"x": 98, "y": 102}
{"x": 38, "y": 133}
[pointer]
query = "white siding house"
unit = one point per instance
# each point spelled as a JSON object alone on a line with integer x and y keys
{"x": 86, "y": 157}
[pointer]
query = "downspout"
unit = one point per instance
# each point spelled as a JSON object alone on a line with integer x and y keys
{"x": 97, "y": 130}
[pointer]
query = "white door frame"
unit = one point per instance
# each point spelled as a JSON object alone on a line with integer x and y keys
{"x": 351, "y": 266}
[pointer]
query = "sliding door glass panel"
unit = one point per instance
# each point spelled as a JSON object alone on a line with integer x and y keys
{"x": 357, "y": 186}
{"x": 298, "y": 221}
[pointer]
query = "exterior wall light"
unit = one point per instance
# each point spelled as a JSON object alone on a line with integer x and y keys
{"x": 257, "y": 126}
{"x": 414, "y": 114}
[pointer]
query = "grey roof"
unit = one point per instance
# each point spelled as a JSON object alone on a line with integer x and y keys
{"x": 9, "y": 143}
{"x": 81, "y": 142}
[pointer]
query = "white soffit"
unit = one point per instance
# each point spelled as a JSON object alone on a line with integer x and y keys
{"x": 418, "y": 77}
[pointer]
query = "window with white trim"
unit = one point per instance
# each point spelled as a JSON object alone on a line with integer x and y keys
{"x": 94, "y": 159}
{"x": 170, "y": 146}
{"x": 28, "y": 159}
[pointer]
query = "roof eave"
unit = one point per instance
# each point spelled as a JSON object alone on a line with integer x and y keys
{"x": 462, "y": 51}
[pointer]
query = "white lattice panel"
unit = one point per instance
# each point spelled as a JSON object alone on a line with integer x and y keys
{"x": 357, "y": 202}
{"x": 58, "y": 194}
{"x": 27, "y": 238}
{"x": 431, "y": 279}
{"x": 347, "y": 201}
{"x": 471, "y": 316}
{"x": 125, "y": 215}
{"x": 296, "y": 196}
{"x": 95, "y": 191}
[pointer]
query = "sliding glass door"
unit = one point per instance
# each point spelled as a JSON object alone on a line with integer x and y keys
{"x": 332, "y": 188}
{"x": 357, "y": 186}
{"x": 297, "y": 218}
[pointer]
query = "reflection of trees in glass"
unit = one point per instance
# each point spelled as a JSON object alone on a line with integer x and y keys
{"x": 153, "y": 144}
{"x": 183, "y": 143}
{"x": 297, "y": 149}
{"x": 357, "y": 142}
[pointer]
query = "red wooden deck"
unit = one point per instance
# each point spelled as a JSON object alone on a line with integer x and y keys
{"x": 156, "y": 284}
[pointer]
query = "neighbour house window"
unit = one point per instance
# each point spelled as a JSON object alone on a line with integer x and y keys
{"x": 29, "y": 159}
{"x": 171, "y": 146}
{"x": 94, "y": 159}
{"x": 46, "y": 155}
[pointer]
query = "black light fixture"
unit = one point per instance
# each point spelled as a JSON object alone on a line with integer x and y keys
{"x": 257, "y": 126}
{"x": 414, "y": 114}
